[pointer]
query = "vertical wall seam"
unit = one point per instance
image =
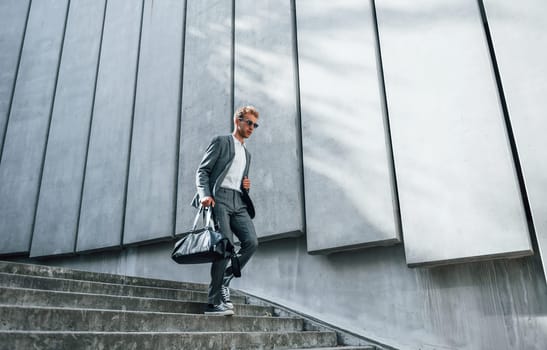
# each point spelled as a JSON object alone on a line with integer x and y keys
{"x": 509, "y": 128}
{"x": 387, "y": 125}
{"x": 51, "y": 107}
{"x": 92, "y": 112}
{"x": 299, "y": 135}
{"x": 232, "y": 64}
{"x": 179, "y": 121}
{"x": 135, "y": 85}
{"x": 14, "y": 84}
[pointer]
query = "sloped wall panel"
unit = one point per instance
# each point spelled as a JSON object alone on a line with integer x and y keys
{"x": 151, "y": 192}
{"x": 26, "y": 135}
{"x": 13, "y": 16}
{"x": 103, "y": 201}
{"x": 206, "y": 93}
{"x": 519, "y": 35}
{"x": 265, "y": 77}
{"x": 348, "y": 182}
{"x": 458, "y": 190}
{"x": 58, "y": 209}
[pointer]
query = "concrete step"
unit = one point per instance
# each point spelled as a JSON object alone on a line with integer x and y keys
{"x": 65, "y": 273}
{"x": 78, "y": 286}
{"x": 34, "y": 318}
{"x": 367, "y": 347}
{"x": 46, "y": 298}
{"x": 57, "y": 308}
{"x": 164, "y": 340}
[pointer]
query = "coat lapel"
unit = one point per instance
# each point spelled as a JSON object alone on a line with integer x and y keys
{"x": 247, "y": 162}
{"x": 232, "y": 148}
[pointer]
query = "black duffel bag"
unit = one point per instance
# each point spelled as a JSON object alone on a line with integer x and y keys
{"x": 202, "y": 245}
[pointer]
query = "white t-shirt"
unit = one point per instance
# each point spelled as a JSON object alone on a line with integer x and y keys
{"x": 237, "y": 168}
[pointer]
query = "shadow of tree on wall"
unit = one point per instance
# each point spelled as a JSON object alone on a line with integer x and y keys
{"x": 265, "y": 77}
{"x": 457, "y": 185}
{"x": 347, "y": 171}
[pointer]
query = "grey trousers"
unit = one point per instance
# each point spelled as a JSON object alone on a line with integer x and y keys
{"x": 232, "y": 217}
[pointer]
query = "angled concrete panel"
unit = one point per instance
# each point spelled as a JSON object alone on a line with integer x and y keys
{"x": 206, "y": 93}
{"x": 348, "y": 181}
{"x": 103, "y": 199}
{"x": 519, "y": 35}
{"x": 152, "y": 173}
{"x": 23, "y": 153}
{"x": 265, "y": 77}
{"x": 56, "y": 221}
{"x": 459, "y": 194}
{"x": 13, "y": 16}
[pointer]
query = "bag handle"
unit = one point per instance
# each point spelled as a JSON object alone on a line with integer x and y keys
{"x": 200, "y": 210}
{"x": 207, "y": 217}
{"x": 209, "y": 221}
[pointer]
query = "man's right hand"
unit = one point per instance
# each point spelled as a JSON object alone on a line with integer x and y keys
{"x": 207, "y": 201}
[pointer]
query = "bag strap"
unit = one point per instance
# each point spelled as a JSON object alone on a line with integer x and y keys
{"x": 200, "y": 211}
{"x": 209, "y": 221}
{"x": 207, "y": 217}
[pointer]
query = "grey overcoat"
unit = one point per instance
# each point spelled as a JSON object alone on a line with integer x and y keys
{"x": 213, "y": 168}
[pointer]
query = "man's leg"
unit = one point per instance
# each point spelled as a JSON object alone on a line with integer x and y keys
{"x": 244, "y": 229}
{"x": 242, "y": 226}
{"x": 222, "y": 216}
{"x": 217, "y": 272}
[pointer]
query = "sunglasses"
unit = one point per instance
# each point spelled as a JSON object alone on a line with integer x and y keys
{"x": 249, "y": 122}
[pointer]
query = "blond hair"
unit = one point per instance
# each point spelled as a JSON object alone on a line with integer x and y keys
{"x": 241, "y": 111}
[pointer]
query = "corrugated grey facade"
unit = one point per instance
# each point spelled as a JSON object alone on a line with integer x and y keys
{"x": 400, "y": 152}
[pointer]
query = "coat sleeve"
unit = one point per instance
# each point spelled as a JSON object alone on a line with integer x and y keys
{"x": 205, "y": 168}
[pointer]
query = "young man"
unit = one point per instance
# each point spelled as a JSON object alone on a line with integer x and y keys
{"x": 222, "y": 183}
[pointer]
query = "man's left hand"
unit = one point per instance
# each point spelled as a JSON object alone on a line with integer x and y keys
{"x": 246, "y": 184}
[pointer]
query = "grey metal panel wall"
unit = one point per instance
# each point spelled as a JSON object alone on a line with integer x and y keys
{"x": 13, "y": 16}
{"x": 103, "y": 200}
{"x": 206, "y": 93}
{"x": 348, "y": 182}
{"x": 58, "y": 208}
{"x": 23, "y": 152}
{"x": 151, "y": 194}
{"x": 264, "y": 76}
{"x": 519, "y": 35}
{"x": 458, "y": 189}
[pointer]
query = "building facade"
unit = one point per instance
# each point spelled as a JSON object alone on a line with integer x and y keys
{"x": 399, "y": 172}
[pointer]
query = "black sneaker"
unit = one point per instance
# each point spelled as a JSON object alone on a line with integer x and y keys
{"x": 218, "y": 310}
{"x": 225, "y": 297}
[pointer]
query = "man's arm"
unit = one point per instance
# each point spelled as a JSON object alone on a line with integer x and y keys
{"x": 204, "y": 172}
